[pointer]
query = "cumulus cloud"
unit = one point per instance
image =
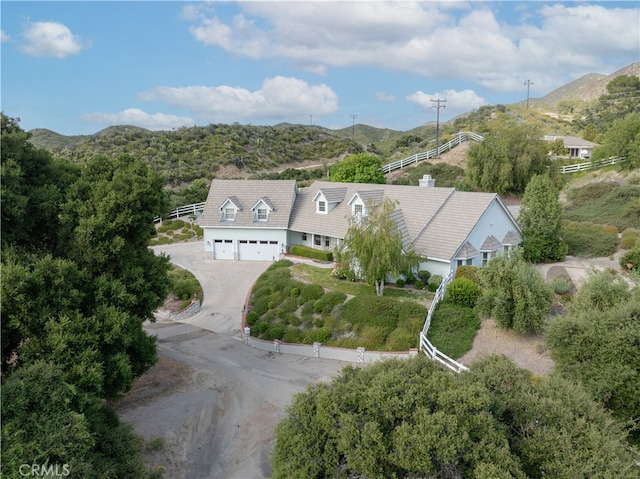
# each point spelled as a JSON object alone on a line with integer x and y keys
{"x": 552, "y": 43}
{"x": 457, "y": 102}
{"x": 51, "y": 39}
{"x": 278, "y": 98}
{"x": 137, "y": 117}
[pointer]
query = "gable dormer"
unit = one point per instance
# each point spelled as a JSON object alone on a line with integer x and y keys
{"x": 230, "y": 208}
{"x": 327, "y": 199}
{"x": 362, "y": 201}
{"x": 262, "y": 209}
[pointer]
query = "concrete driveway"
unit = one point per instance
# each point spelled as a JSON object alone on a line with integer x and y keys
{"x": 214, "y": 400}
{"x": 225, "y": 284}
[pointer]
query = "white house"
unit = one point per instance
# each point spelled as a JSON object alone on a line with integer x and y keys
{"x": 257, "y": 219}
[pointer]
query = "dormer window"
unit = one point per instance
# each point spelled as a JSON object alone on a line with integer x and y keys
{"x": 262, "y": 209}
{"x": 358, "y": 210}
{"x": 230, "y": 214}
{"x": 322, "y": 206}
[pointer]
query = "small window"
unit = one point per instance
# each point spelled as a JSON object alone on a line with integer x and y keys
{"x": 485, "y": 257}
{"x": 229, "y": 214}
{"x": 262, "y": 214}
{"x": 327, "y": 241}
{"x": 317, "y": 240}
{"x": 357, "y": 210}
{"x": 304, "y": 236}
{"x": 322, "y": 206}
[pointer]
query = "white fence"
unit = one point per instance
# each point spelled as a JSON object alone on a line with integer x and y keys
{"x": 182, "y": 211}
{"x": 425, "y": 345}
{"x": 591, "y": 165}
{"x": 427, "y": 155}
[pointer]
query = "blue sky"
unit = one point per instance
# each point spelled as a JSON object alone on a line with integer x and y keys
{"x": 77, "y": 67}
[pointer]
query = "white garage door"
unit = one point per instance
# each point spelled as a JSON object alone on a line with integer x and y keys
{"x": 258, "y": 250}
{"x": 223, "y": 249}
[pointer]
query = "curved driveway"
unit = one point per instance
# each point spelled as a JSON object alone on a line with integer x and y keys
{"x": 219, "y": 423}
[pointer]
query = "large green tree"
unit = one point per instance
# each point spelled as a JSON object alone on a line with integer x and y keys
{"x": 373, "y": 246}
{"x": 76, "y": 287}
{"x": 412, "y": 418}
{"x": 598, "y": 344}
{"x": 510, "y": 155}
{"x": 541, "y": 221}
{"x": 358, "y": 168}
{"x": 514, "y": 293}
{"x": 622, "y": 139}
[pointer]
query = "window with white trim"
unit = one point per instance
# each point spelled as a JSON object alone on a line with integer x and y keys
{"x": 358, "y": 210}
{"x": 262, "y": 214}
{"x": 229, "y": 213}
{"x": 322, "y": 206}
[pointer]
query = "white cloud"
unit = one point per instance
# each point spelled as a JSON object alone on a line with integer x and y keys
{"x": 279, "y": 98}
{"x": 51, "y": 39}
{"x": 137, "y": 117}
{"x": 456, "y": 102}
{"x": 550, "y": 44}
{"x": 4, "y": 37}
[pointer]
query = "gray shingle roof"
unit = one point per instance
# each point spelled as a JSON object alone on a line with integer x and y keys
{"x": 512, "y": 237}
{"x": 490, "y": 244}
{"x": 467, "y": 250}
{"x": 279, "y": 195}
{"x": 333, "y": 195}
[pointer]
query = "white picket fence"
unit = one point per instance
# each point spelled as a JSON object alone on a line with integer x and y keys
{"x": 192, "y": 209}
{"x": 427, "y": 155}
{"x": 425, "y": 345}
{"x": 592, "y": 165}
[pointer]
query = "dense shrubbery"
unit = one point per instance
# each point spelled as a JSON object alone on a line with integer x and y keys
{"x": 434, "y": 282}
{"x": 306, "y": 252}
{"x": 604, "y": 203}
{"x": 630, "y": 238}
{"x": 463, "y": 292}
{"x": 589, "y": 239}
{"x": 630, "y": 261}
{"x": 453, "y": 328}
{"x": 183, "y": 285}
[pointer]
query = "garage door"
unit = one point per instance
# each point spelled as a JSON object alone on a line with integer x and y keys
{"x": 257, "y": 250}
{"x": 223, "y": 249}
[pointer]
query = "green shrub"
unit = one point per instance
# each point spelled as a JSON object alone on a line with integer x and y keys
{"x": 453, "y": 329}
{"x": 311, "y": 292}
{"x": 400, "y": 283}
{"x": 630, "y": 261}
{"x": 467, "y": 271}
{"x": 323, "y": 335}
{"x": 410, "y": 278}
{"x": 424, "y": 275}
{"x": 306, "y": 252}
{"x": 252, "y": 318}
{"x": 318, "y": 322}
{"x": 561, "y": 285}
{"x": 293, "y": 335}
{"x": 401, "y": 340}
{"x": 262, "y": 326}
{"x": 463, "y": 292}
{"x": 588, "y": 239}
{"x": 373, "y": 338}
{"x": 434, "y": 282}
{"x": 419, "y": 285}
{"x": 327, "y": 302}
{"x": 274, "y": 332}
{"x": 629, "y": 238}
{"x": 260, "y": 305}
{"x": 307, "y": 308}
{"x": 371, "y": 310}
{"x": 182, "y": 284}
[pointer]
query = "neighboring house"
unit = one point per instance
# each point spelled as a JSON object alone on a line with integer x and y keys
{"x": 576, "y": 147}
{"x": 448, "y": 227}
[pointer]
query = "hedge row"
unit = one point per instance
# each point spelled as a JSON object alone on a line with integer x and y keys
{"x": 589, "y": 239}
{"x": 306, "y": 252}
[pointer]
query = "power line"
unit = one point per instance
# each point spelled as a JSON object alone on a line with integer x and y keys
{"x": 437, "y": 106}
{"x": 528, "y": 83}
{"x": 353, "y": 126}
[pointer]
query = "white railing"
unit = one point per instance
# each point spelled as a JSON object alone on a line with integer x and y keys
{"x": 425, "y": 345}
{"x": 591, "y": 165}
{"x": 456, "y": 140}
{"x": 182, "y": 211}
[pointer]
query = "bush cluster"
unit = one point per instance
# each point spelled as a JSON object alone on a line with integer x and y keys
{"x": 589, "y": 239}
{"x": 463, "y": 292}
{"x": 630, "y": 238}
{"x": 434, "y": 282}
{"x": 630, "y": 261}
{"x": 453, "y": 328}
{"x": 306, "y": 252}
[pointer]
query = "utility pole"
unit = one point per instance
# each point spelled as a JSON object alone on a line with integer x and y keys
{"x": 528, "y": 83}
{"x": 437, "y": 106}
{"x": 353, "y": 126}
